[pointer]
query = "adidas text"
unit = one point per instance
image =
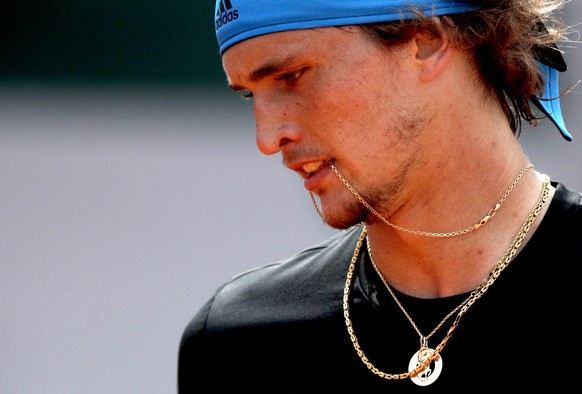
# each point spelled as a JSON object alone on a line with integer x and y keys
{"x": 225, "y": 14}
{"x": 225, "y": 18}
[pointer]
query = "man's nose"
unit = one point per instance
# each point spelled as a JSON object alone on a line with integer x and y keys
{"x": 274, "y": 127}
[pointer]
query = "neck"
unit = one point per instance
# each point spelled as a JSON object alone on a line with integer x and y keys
{"x": 429, "y": 267}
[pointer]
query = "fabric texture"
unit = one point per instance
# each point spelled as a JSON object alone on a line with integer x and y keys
{"x": 280, "y": 328}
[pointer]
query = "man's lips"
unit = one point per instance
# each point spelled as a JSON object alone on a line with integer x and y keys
{"x": 312, "y": 166}
{"x": 314, "y": 172}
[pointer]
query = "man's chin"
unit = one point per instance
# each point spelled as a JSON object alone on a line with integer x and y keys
{"x": 344, "y": 222}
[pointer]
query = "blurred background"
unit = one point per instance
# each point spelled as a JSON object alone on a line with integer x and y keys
{"x": 131, "y": 187}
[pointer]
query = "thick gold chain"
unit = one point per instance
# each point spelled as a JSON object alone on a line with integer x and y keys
{"x": 449, "y": 234}
{"x": 465, "y": 305}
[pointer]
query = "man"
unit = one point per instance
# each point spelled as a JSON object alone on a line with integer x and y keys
{"x": 457, "y": 264}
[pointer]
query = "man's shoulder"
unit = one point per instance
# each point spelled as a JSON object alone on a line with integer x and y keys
{"x": 565, "y": 212}
{"x": 560, "y": 232}
{"x": 300, "y": 287}
{"x": 569, "y": 199}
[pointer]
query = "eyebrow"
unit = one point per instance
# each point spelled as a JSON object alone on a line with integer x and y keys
{"x": 264, "y": 71}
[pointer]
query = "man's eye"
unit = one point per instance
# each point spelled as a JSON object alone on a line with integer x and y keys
{"x": 293, "y": 76}
{"x": 246, "y": 94}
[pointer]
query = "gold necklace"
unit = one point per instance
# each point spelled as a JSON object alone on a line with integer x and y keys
{"x": 420, "y": 369}
{"x": 466, "y": 230}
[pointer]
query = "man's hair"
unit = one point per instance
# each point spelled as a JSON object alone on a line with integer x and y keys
{"x": 507, "y": 39}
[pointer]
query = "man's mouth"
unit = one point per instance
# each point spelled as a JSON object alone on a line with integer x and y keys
{"x": 313, "y": 166}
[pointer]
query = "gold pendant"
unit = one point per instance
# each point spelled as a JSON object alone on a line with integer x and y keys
{"x": 431, "y": 372}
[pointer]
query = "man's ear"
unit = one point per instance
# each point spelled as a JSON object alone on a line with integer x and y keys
{"x": 432, "y": 54}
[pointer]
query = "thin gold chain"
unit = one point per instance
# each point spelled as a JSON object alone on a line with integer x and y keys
{"x": 449, "y": 234}
{"x": 423, "y": 338}
{"x": 474, "y": 296}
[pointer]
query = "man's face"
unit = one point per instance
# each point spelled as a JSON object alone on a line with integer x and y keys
{"x": 332, "y": 95}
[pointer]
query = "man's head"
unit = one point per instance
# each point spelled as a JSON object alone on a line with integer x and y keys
{"x": 514, "y": 49}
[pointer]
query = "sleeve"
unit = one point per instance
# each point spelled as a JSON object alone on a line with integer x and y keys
{"x": 193, "y": 353}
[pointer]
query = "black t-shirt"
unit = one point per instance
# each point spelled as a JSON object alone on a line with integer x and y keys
{"x": 280, "y": 328}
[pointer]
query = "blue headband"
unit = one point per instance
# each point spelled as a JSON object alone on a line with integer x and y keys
{"x": 237, "y": 20}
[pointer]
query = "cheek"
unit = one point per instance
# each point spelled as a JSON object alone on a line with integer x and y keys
{"x": 353, "y": 101}
{"x": 363, "y": 113}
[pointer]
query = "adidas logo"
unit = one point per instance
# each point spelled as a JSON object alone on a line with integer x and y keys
{"x": 225, "y": 14}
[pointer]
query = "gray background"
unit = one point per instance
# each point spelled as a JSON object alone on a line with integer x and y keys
{"x": 130, "y": 188}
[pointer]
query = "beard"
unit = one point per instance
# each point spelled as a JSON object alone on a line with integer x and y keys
{"x": 349, "y": 215}
{"x": 382, "y": 198}
{"x": 346, "y": 210}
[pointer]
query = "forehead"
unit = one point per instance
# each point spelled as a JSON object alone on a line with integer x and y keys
{"x": 288, "y": 45}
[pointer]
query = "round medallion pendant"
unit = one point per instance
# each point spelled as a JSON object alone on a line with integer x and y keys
{"x": 431, "y": 372}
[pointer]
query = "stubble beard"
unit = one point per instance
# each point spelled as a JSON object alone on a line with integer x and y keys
{"x": 353, "y": 212}
{"x": 349, "y": 215}
{"x": 383, "y": 198}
